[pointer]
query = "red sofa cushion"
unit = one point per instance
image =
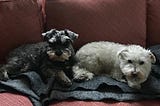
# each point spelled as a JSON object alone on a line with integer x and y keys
{"x": 153, "y": 22}
{"x": 121, "y": 21}
{"x": 107, "y": 103}
{"x": 20, "y": 22}
{"x": 9, "y": 99}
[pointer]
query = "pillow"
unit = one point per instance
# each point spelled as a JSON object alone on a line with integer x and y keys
{"x": 21, "y": 22}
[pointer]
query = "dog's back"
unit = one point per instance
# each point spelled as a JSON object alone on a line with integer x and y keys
{"x": 29, "y": 50}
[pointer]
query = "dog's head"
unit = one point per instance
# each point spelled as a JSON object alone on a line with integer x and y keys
{"x": 60, "y": 44}
{"x": 135, "y": 64}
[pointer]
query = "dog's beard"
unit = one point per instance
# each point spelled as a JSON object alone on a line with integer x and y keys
{"x": 138, "y": 77}
{"x": 65, "y": 56}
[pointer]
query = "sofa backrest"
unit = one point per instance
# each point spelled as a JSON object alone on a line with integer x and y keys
{"x": 122, "y": 21}
{"x": 153, "y": 22}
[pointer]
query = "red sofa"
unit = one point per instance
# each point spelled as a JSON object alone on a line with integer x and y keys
{"x": 123, "y": 21}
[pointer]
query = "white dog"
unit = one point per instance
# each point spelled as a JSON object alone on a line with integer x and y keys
{"x": 116, "y": 60}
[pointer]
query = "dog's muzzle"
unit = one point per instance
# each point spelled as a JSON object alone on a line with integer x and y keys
{"x": 136, "y": 76}
{"x": 59, "y": 55}
{"x": 58, "y": 52}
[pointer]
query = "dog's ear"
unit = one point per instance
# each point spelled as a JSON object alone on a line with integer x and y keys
{"x": 122, "y": 54}
{"x": 73, "y": 36}
{"x": 49, "y": 34}
{"x": 152, "y": 57}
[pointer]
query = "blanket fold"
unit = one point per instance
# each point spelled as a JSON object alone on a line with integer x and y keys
{"x": 101, "y": 87}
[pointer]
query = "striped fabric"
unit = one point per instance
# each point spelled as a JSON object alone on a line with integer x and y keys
{"x": 8, "y": 99}
{"x": 107, "y": 103}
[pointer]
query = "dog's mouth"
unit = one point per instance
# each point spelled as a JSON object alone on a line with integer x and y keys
{"x": 59, "y": 56}
{"x": 139, "y": 76}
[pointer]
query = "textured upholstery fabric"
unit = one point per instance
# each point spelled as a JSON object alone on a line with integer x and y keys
{"x": 8, "y": 99}
{"x": 41, "y": 4}
{"x": 106, "y": 103}
{"x": 121, "y": 21}
{"x": 153, "y": 22}
{"x": 113, "y": 20}
{"x": 20, "y": 22}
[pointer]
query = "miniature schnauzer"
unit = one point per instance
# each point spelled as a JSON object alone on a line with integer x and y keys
{"x": 52, "y": 58}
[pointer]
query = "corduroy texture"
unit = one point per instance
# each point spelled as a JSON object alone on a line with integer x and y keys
{"x": 121, "y": 21}
{"x": 9, "y": 99}
{"x": 153, "y": 22}
{"x": 42, "y": 4}
{"x": 21, "y": 22}
{"x": 106, "y": 103}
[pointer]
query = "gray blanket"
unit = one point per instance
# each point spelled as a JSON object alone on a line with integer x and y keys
{"x": 101, "y": 87}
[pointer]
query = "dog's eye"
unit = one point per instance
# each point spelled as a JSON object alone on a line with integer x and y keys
{"x": 141, "y": 62}
{"x": 129, "y": 61}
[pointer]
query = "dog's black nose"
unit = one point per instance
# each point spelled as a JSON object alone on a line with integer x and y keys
{"x": 58, "y": 52}
{"x": 134, "y": 74}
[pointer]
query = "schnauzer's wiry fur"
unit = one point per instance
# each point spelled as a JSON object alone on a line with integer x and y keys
{"x": 116, "y": 60}
{"x": 53, "y": 57}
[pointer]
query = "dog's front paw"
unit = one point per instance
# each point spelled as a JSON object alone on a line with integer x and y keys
{"x": 3, "y": 75}
{"x": 63, "y": 79}
{"x": 66, "y": 82}
{"x": 83, "y": 76}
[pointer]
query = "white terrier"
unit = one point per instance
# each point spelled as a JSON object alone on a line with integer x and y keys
{"x": 127, "y": 63}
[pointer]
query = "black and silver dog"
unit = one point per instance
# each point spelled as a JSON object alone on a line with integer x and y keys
{"x": 54, "y": 57}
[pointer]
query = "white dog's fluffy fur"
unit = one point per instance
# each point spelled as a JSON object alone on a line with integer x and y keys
{"x": 116, "y": 60}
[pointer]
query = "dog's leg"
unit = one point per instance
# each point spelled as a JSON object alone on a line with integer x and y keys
{"x": 48, "y": 72}
{"x": 12, "y": 66}
{"x": 81, "y": 74}
{"x": 63, "y": 79}
{"x": 59, "y": 75}
{"x": 6, "y": 71}
{"x": 3, "y": 74}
